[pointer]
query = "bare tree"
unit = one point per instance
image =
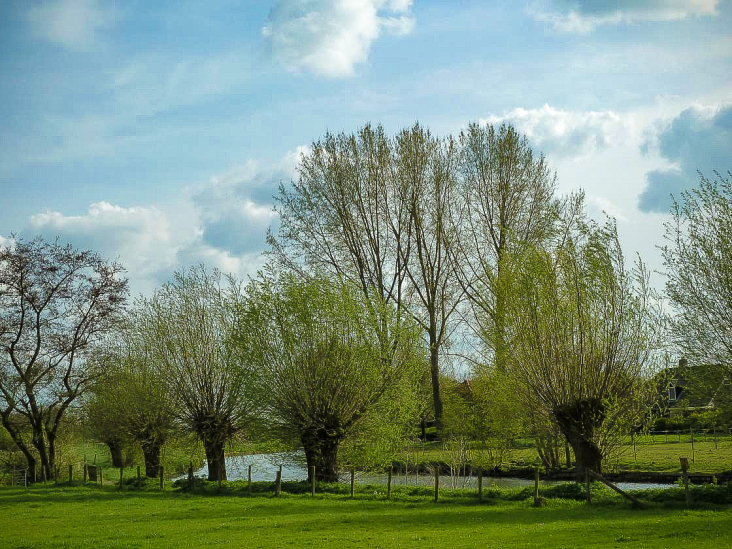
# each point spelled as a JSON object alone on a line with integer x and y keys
{"x": 341, "y": 216}
{"x": 507, "y": 200}
{"x": 373, "y": 210}
{"x": 582, "y": 331}
{"x": 56, "y": 302}
{"x": 427, "y": 183}
{"x": 191, "y": 321}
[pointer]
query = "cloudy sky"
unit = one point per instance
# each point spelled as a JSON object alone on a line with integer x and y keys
{"x": 157, "y": 132}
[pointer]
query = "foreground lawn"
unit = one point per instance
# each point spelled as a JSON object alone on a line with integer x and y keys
{"x": 57, "y": 516}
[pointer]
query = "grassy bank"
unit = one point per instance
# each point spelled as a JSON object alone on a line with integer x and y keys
{"x": 86, "y": 516}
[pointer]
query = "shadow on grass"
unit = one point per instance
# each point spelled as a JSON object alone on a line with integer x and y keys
{"x": 370, "y": 498}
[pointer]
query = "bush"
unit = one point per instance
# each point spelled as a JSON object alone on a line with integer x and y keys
{"x": 706, "y": 493}
{"x": 697, "y": 421}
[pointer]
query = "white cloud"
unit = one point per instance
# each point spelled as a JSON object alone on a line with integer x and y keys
{"x": 221, "y": 223}
{"x": 139, "y": 237}
{"x": 235, "y": 207}
{"x": 698, "y": 138}
{"x": 330, "y": 37}
{"x": 71, "y": 23}
{"x": 600, "y": 204}
{"x": 568, "y": 133}
{"x": 582, "y": 18}
{"x": 241, "y": 266}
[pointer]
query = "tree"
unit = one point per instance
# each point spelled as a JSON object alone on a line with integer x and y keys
{"x": 507, "y": 201}
{"x": 132, "y": 403}
{"x": 56, "y": 302}
{"x": 374, "y": 210}
{"x": 582, "y": 330}
{"x": 698, "y": 260}
{"x": 426, "y": 172}
{"x": 191, "y": 321}
{"x": 320, "y": 365}
{"x": 106, "y": 421}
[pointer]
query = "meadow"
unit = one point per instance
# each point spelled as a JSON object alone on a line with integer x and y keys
{"x": 79, "y": 516}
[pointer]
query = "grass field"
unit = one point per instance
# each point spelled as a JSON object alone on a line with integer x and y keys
{"x": 59, "y": 516}
{"x": 659, "y": 453}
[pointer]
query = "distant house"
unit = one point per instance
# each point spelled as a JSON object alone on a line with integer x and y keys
{"x": 687, "y": 389}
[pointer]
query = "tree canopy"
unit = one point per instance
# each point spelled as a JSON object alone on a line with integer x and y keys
{"x": 320, "y": 364}
{"x": 582, "y": 330}
{"x": 56, "y": 303}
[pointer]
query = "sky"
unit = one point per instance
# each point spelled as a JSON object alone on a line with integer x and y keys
{"x": 157, "y": 133}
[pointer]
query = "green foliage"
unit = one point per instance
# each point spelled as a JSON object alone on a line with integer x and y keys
{"x": 190, "y": 323}
{"x": 584, "y": 330}
{"x": 698, "y": 260}
{"x": 709, "y": 420}
{"x": 328, "y": 368}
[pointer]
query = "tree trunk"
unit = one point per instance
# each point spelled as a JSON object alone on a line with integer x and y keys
{"x": 545, "y": 447}
{"x": 17, "y": 438}
{"x": 39, "y": 442}
{"x": 499, "y": 314}
{"x": 151, "y": 451}
{"x": 215, "y": 458}
{"x": 587, "y": 454}
{"x": 321, "y": 452}
{"x": 115, "y": 449}
{"x": 435, "y": 372}
{"x": 578, "y": 422}
{"x": 51, "y": 436}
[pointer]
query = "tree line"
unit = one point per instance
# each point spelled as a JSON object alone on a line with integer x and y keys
{"x": 393, "y": 254}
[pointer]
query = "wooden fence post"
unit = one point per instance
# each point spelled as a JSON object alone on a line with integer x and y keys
{"x": 162, "y": 479}
{"x": 121, "y": 477}
{"x": 190, "y": 475}
{"x": 437, "y": 482}
{"x": 99, "y": 471}
{"x": 353, "y": 480}
{"x": 85, "y": 472}
{"x": 312, "y": 481}
{"x": 71, "y": 472}
{"x": 139, "y": 479}
{"x": 684, "y": 470}
{"x": 692, "y": 446}
{"x": 278, "y": 481}
{"x": 249, "y": 479}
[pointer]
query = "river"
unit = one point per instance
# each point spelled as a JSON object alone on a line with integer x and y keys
{"x": 264, "y": 468}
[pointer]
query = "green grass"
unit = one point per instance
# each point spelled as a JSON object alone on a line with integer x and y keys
{"x": 72, "y": 517}
{"x": 656, "y": 453}
{"x": 709, "y": 457}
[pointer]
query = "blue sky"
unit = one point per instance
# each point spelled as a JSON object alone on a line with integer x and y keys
{"x": 157, "y": 135}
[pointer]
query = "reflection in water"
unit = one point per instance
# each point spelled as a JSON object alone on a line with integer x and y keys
{"x": 294, "y": 468}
